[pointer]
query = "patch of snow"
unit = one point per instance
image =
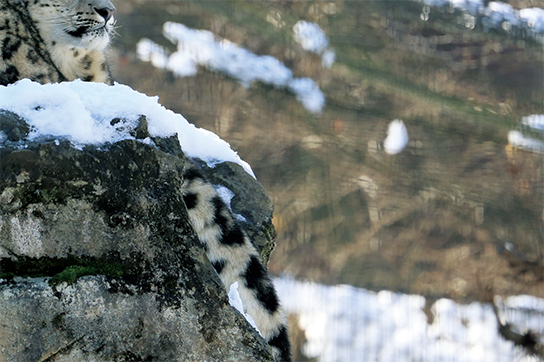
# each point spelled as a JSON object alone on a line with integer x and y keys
{"x": 313, "y": 39}
{"x": 535, "y": 121}
{"x": 499, "y": 14}
{"x": 516, "y": 138}
{"x": 328, "y": 58}
{"x": 148, "y": 51}
{"x": 227, "y": 195}
{"x": 310, "y": 37}
{"x": 201, "y": 47}
{"x": 82, "y": 113}
{"x": 308, "y": 93}
{"x": 344, "y": 323}
{"x": 534, "y": 18}
{"x": 236, "y": 302}
{"x": 223, "y": 55}
{"x": 397, "y": 137}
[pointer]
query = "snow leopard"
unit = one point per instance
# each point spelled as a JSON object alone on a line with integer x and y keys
{"x": 51, "y": 41}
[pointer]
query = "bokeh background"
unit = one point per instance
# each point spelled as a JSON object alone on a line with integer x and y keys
{"x": 455, "y": 217}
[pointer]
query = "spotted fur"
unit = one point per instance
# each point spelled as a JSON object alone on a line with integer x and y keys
{"x": 57, "y": 40}
{"x": 50, "y": 41}
{"x": 235, "y": 259}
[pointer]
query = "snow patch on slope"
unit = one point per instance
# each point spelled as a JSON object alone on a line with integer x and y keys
{"x": 201, "y": 47}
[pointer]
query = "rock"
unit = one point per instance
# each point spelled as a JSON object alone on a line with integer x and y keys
{"x": 98, "y": 261}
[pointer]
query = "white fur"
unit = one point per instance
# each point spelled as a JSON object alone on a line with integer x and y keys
{"x": 54, "y": 23}
{"x": 237, "y": 256}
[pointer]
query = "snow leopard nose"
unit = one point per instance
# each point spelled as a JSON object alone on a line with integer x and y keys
{"x": 106, "y": 13}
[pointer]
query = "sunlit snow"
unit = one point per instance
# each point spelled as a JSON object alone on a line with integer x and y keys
{"x": 516, "y": 138}
{"x": 82, "y": 113}
{"x": 498, "y": 14}
{"x": 227, "y": 195}
{"x": 534, "y": 18}
{"x": 308, "y": 93}
{"x": 310, "y": 36}
{"x": 236, "y": 301}
{"x": 313, "y": 39}
{"x": 344, "y": 323}
{"x": 397, "y": 137}
{"x": 201, "y": 47}
{"x": 535, "y": 121}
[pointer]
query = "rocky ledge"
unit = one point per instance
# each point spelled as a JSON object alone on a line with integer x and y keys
{"x": 98, "y": 261}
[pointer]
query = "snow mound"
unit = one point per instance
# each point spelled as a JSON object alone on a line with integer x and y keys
{"x": 310, "y": 36}
{"x": 397, "y": 137}
{"x": 82, "y": 112}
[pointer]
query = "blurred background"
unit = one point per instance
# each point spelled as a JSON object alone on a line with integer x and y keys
{"x": 420, "y": 240}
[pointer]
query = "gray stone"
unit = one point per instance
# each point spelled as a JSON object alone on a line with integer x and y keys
{"x": 98, "y": 261}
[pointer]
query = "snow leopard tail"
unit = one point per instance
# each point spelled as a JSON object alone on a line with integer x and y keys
{"x": 235, "y": 259}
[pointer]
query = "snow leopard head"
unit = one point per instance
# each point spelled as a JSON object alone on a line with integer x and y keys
{"x": 79, "y": 23}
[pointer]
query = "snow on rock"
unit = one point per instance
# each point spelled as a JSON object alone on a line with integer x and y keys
{"x": 82, "y": 111}
{"x": 344, "y": 323}
{"x": 227, "y": 195}
{"x": 236, "y": 301}
{"x": 201, "y": 47}
{"x": 397, "y": 137}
